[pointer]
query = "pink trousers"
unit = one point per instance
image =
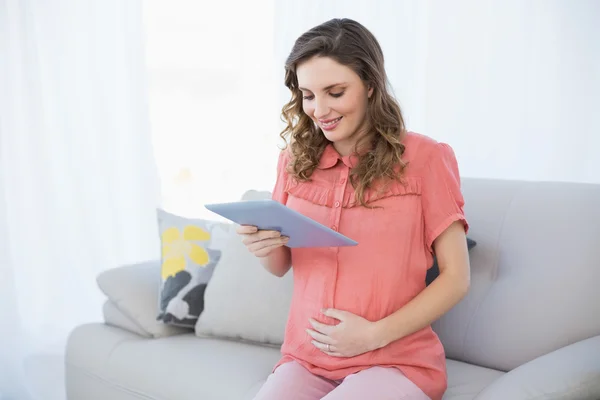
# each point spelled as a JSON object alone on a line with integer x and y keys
{"x": 291, "y": 381}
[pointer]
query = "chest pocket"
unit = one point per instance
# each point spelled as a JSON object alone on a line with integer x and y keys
{"x": 325, "y": 195}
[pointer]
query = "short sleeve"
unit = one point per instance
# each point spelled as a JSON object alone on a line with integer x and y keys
{"x": 279, "y": 191}
{"x": 443, "y": 202}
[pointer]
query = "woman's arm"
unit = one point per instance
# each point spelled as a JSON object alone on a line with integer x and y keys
{"x": 355, "y": 335}
{"x": 269, "y": 247}
{"x": 278, "y": 262}
{"x": 440, "y": 296}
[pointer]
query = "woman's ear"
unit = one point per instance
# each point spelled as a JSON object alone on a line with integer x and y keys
{"x": 370, "y": 92}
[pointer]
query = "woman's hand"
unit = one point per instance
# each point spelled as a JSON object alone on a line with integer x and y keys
{"x": 261, "y": 242}
{"x": 353, "y": 336}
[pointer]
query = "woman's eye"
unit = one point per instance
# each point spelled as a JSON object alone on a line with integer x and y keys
{"x": 336, "y": 95}
{"x": 308, "y": 97}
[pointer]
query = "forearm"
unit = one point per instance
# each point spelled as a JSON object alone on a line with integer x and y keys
{"x": 429, "y": 305}
{"x": 278, "y": 262}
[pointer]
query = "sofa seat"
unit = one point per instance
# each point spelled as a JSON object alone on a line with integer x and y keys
{"x": 466, "y": 381}
{"x": 106, "y": 362}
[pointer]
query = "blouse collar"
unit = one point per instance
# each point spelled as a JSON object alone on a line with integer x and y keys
{"x": 330, "y": 158}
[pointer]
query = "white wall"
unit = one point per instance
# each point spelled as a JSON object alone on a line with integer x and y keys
{"x": 511, "y": 85}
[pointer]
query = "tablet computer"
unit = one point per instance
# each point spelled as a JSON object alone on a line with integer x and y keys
{"x": 271, "y": 215}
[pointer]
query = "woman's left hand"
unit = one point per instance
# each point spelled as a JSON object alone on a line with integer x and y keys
{"x": 353, "y": 336}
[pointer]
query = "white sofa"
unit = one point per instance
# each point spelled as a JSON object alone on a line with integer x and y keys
{"x": 528, "y": 329}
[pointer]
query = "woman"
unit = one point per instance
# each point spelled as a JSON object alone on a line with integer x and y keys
{"x": 359, "y": 324}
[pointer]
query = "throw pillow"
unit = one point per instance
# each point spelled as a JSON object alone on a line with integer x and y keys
{"x": 191, "y": 249}
{"x": 131, "y": 289}
{"x": 434, "y": 271}
{"x": 244, "y": 301}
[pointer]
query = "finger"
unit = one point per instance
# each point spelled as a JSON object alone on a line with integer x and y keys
{"x": 319, "y": 327}
{"x": 319, "y": 345}
{"x": 323, "y": 347}
{"x": 333, "y": 313}
{"x": 333, "y": 354}
{"x": 246, "y": 229}
{"x": 263, "y": 252}
{"x": 260, "y": 235}
{"x": 321, "y": 338}
{"x": 261, "y": 244}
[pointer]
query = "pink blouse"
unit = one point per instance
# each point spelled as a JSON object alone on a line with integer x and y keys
{"x": 385, "y": 270}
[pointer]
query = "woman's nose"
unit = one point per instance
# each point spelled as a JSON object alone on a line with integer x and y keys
{"x": 321, "y": 109}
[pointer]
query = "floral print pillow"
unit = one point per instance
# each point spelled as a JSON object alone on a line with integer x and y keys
{"x": 191, "y": 249}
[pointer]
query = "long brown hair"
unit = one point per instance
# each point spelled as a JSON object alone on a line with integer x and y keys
{"x": 351, "y": 44}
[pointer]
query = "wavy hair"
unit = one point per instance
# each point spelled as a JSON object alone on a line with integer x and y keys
{"x": 349, "y": 43}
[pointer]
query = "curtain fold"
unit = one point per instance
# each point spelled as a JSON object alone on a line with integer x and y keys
{"x": 78, "y": 184}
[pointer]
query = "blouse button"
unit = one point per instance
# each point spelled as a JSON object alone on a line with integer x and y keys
{"x": 334, "y": 228}
{"x": 337, "y": 203}
{"x": 343, "y": 180}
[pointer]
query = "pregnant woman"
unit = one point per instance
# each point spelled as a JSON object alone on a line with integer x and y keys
{"x": 360, "y": 322}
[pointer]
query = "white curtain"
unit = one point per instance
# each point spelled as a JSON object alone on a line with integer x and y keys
{"x": 78, "y": 186}
{"x": 512, "y": 85}
{"x": 213, "y": 99}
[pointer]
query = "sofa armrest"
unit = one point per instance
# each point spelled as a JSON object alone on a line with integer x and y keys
{"x": 571, "y": 372}
{"x": 115, "y": 317}
{"x": 133, "y": 290}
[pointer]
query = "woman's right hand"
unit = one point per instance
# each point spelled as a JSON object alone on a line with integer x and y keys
{"x": 261, "y": 242}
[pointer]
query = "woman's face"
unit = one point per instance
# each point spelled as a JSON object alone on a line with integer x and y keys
{"x": 336, "y": 99}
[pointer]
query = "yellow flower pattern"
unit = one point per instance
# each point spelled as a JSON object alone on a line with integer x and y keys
{"x": 177, "y": 246}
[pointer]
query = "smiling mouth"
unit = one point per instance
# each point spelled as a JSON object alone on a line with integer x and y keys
{"x": 331, "y": 123}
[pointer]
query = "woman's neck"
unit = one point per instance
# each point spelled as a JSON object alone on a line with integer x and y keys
{"x": 349, "y": 147}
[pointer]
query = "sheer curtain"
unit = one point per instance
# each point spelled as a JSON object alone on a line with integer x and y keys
{"x": 78, "y": 186}
{"x": 511, "y": 85}
{"x": 213, "y": 99}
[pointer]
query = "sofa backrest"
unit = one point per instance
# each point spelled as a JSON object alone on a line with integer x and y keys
{"x": 535, "y": 272}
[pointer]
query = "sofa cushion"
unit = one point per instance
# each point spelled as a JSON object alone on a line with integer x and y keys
{"x": 466, "y": 381}
{"x": 244, "y": 301}
{"x": 534, "y": 272}
{"x": 122, "y": 365}
{"x": 113, "y": 316}
{"x": 133, "y": 290}
{"x": 572, "y": 372}
{"x": 191, "y": 249}
{"x": 182, "y": 367}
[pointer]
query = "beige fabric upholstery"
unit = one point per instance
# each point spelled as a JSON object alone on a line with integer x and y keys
{"x": 465, "y": 381}
{"x": 572, "y": 372}
{"x": 115, "y": 317}
{"x": 133, "y": 289}
{"x": 123, "y": 366}
{"x": 243, "y": 300}
{"x": 535, "y": 272}
{"x": 182, "y": 367}
{"x": 532, "y": 310}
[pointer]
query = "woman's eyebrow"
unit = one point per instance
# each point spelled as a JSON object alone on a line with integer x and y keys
{"x": 327, "y": 87}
